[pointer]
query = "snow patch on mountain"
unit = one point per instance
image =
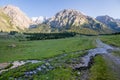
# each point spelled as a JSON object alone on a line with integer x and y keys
{"x": 39, "y": 20}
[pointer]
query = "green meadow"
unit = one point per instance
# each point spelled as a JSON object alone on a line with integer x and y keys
{"x": 41, "y": 49}
{"x": 45, "y": 49}
{"x": 100, "y": 70}
{"x": 111, "y": 39}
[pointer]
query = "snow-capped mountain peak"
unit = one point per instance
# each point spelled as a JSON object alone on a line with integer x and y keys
{"x": 39, "y": 20}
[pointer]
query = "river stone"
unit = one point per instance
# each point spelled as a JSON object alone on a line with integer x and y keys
{"x": 39, "y": 69}
{"x": 12, "y": 45}
{"x": 78, "y": 73}
{"x": 4, "y": 65}
{"x": 47, "y": 64}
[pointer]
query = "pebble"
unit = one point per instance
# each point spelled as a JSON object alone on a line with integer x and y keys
{"x": 78, "y": 73}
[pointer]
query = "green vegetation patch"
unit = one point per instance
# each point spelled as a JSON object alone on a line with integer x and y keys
{"x": 19, "y": 71}
{"x": 58, "y": 74}
{"x": 42, "y": 49}
{"x": 111, "y": 39}
{"x": 61, "y": 69}
{"x": 100, "y": 70}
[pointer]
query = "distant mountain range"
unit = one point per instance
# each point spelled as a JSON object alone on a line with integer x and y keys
{"x": 110, "y": 22}
{"x": 74, "y": 21}
{"x": 67, "y": 20}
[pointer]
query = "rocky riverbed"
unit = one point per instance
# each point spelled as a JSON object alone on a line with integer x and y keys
{"x": 102, "y": 48}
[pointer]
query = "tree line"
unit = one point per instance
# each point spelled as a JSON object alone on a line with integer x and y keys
{"x": 44, "y": 36}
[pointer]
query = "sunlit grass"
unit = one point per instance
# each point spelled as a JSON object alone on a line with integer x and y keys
{"x": 100, "y": 70}
{"x": 43, "y": 48}
{"x": 111, "y": 39}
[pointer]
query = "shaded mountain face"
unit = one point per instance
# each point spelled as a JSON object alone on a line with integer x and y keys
{"x": 40, "y": 28}
{"x": 16, "y": 19}
{"x": 75, "y": 21}
{"x": 112, "y": 23}
{"x": 118, "y": 22}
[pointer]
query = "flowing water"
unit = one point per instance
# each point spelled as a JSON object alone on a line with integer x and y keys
{"x": 102, "y": 48}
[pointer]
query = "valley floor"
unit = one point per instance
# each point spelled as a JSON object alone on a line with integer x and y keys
{"x": 12, "y": 50}
{"x": 83, "y": 62}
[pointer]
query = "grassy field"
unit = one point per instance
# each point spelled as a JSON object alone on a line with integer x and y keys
{"x": 111, "y": 39}
{"x": 42, "y": 49}
{"x": 100, "y": 70}
{"x": 58, "y": 74}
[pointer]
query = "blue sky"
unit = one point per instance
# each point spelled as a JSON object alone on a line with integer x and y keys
{"x": 49, "y": 8}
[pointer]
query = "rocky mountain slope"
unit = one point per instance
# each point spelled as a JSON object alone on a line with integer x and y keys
{"x": 5, "y": 24}
{"x": 16, "y": 19}
{"x": 67, "y": 20}
{"x": 75, "y": 21}
{"x": 112, "y": 23}
{"x": 118, "y": 20}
